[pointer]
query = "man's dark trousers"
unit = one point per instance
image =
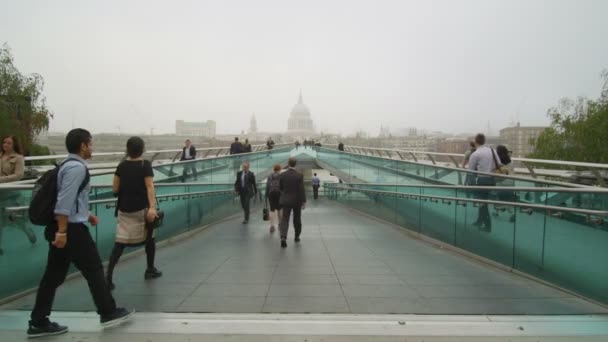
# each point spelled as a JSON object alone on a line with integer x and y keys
{"x": 315, "y": 191}
{"x": 80, "y": 249}
{"x": 245, "y": 199}
{"x": 297, "y": 221}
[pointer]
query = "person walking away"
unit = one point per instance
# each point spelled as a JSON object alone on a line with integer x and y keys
{"x": 70, "y": 242}
{"x": 273, "y": 196}
{"x": 297, "y": 144}
{"x": 341, "y": 147}
{"x": 484, "y": 160}
{"x": 247, "y": 146}
{"x": 469, "y": 179}
{"x": 136, "y": 208}
{"x": 293, "y": 199}
{"x": 188, "y": 153}
{"x": 316, "y": 183}
{"x": 236, "y": 147}
{"x": 246, "y": 188}
{"x": 269, "y": 144}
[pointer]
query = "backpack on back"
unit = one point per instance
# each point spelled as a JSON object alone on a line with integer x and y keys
{"x": 44, "y": 195}
{"x": 275, "y": 185}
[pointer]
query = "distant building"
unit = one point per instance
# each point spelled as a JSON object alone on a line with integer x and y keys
{"x": 300, "y": 123}
{"x": 195, "y": 129}
{"x": 454, "y": 145}
{"x": 520, "y": 139}
{"x": 253, "y": 125}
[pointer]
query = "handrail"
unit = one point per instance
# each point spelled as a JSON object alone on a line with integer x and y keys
{"x": 111, "y": 200}
{"x": 121, "y": 154}
{"x": 10, "y": 186}
{"x": 458, "y": 169}
{"x": 528, "y": 160}
{"x": 464, "y": 199}
{"x": 110, "y": 168}
{"x": 594, "y": 190}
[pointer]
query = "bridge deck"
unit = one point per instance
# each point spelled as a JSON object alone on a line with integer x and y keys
{"x": 346, "y": 263}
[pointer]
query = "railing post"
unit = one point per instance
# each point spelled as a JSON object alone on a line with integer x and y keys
{"x": 530, "y": 169}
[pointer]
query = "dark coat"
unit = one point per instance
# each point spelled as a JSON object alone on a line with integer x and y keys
{"x": 192, "y": 152}
{"x": 236, "y": 148}
{"x": 292, "y": 189}
{"x": 250, "y": 186}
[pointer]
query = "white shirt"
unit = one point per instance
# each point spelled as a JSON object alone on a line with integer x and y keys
{"x": 187, "y": 153}
{"x": 481, "y": 160}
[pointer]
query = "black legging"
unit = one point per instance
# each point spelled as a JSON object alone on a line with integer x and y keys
{"x": 150, "y": 244}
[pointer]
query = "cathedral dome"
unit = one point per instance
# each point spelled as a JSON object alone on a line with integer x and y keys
{"x": 299, "y": 118}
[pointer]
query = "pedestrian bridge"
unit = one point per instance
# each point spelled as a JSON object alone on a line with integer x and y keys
{"x": 389, "y": 250}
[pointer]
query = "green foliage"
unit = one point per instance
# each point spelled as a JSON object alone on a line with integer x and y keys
{"x": 23, "y": 110}
{"x": 578, "y": 130}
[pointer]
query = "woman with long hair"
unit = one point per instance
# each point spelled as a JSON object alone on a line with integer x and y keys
{"x": 12, "y": 164}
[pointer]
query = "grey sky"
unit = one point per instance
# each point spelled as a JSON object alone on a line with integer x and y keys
{"x": 440, "y": 65}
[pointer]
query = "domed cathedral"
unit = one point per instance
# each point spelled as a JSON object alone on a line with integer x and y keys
{"x": 300, "y": 123}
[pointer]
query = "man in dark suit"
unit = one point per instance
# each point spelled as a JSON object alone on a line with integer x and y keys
{"x": 245, "y": 186}
{"x": 293, "y": 198}
{"x": 188, "y": 153}
{"x": 236, "y": 147}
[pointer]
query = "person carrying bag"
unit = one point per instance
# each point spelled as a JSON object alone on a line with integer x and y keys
{"x": 136, "y": 210}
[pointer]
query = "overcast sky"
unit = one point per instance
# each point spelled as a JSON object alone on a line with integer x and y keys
{"x": 437, "y": 65}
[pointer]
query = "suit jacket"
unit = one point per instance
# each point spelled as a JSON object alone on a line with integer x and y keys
{"x": 292, "y": 189}
{"x": 250, "y": 186}
{"x": 236, "y": 148}
{"x": 192, "y": 153}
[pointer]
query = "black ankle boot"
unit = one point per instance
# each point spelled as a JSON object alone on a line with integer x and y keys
{"x": 152, "y": 273}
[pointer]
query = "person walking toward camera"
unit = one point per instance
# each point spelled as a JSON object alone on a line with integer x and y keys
{"x": 70, "y": 242}
{"x": 136, "y": 208}
{"x": 246, "y": 188}
{"x": 188, "y": 153}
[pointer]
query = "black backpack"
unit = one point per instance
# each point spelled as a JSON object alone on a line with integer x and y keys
{"x": 44, "y": 195}
{"x": 274, "y": 184}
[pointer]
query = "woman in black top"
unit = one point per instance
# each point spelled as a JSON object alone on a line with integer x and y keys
{"x": 136, "y": 207}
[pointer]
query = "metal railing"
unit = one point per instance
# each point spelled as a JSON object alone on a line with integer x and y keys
{"x": 210, "y": 153}
{"x": 396, "y": 154}
{"x": 459, "y": 171}
{"x": 594, "y": 216}
{"x": 456, "y": 159}
{"x": 203, "y": 152}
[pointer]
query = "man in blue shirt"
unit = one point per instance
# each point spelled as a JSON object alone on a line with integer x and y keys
{"x": 316, "y": 183}
{"x": 70, "y": 242}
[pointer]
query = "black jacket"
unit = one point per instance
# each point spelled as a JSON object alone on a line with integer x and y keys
{"x": 236, "y": 148}
{"x": 250, "y": 186}
{"x": 192, "y": 153}
{"x": 292, "y": 189}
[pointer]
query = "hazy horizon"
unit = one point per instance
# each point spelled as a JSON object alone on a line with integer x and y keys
{"x": 450, "y": 66}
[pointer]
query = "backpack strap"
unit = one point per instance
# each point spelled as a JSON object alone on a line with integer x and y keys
{"x": 496, "y": 166}
{"x": 85, "y": 181}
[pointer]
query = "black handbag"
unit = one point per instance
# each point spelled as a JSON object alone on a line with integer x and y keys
{"x": 265, "y": 211}
{"x": 160, "y": 216}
